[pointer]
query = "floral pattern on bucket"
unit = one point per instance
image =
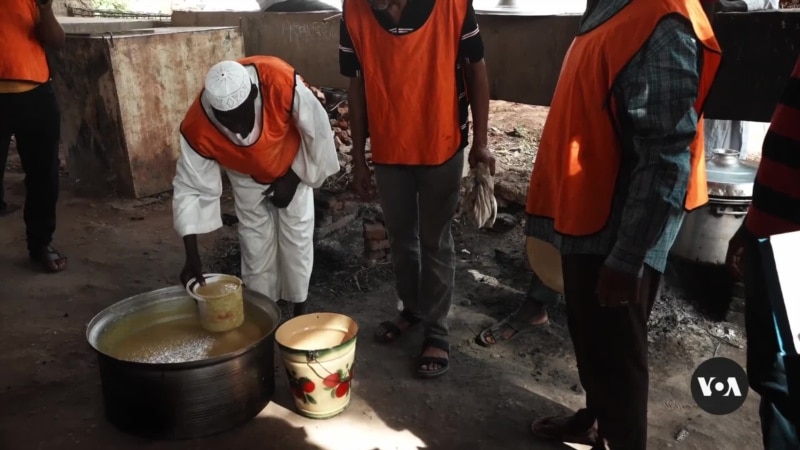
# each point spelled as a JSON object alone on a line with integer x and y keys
{"x": 301, "y": 387}
{"x": 338, "y": 383}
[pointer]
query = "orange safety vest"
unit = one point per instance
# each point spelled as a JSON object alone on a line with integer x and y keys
{"x": 23, "y": 57}
{"x": 271, "y": 156}
{"x": 411, "y": 92}
{"x": 576, "y": 168}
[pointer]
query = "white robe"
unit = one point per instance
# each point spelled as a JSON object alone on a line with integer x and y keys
{"x": 277, "y": 244}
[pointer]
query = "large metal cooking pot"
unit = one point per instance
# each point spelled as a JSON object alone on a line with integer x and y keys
{"x": 706, "y": 231}
{"x": 187, "y": 399}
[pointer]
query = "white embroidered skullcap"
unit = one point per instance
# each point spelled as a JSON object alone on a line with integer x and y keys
{"x": 227, "y": 86}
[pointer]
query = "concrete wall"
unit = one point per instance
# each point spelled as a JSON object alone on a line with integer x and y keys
{"x": 305, "y": 40}
{"x": 523, "y": 54}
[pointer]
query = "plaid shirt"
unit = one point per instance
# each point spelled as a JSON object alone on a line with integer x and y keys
{"x": 656, "y": 92}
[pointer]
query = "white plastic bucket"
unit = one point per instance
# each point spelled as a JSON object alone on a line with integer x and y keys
{"x": 219, "y": 312}
{"x": 319, "y": 352}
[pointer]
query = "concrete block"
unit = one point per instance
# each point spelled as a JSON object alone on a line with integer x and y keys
{"x": 123, "y": 97}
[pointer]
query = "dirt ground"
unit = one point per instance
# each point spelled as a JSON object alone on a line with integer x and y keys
{"x": 49, "y": 385}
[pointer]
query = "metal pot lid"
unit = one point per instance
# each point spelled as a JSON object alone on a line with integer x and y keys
{"x": 728, "y": 176}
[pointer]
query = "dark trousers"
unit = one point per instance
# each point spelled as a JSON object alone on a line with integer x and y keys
{"x": 419, "y": 203}
{"x": 611, "y": 351}
{"x": 765, "y": 363}
{"x": 34, "y": 119}
{"x": 5, "y": 143}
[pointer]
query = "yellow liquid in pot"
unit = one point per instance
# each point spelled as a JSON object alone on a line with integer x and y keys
{"x": 182, "y": 340}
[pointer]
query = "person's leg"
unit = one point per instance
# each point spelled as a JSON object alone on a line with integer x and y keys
{"x": 439, "y": 189}
{"x": 7, "y": 122}
{"x": 765, "y": 369}
{"x": 580, "y": 278}
{"x": 529, "y": 316}
{"x": 397, "y": 189}
{"x": 296, "y": 247}
{"x": 37, "y": 139}
{"x": 5, "y": 143}
{"x": 611, "y": 352}
{"x": 258, "y": 236}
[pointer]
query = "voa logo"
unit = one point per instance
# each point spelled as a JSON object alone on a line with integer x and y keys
{"x": 719, "y": 386}
{"x": 710, "y": 386}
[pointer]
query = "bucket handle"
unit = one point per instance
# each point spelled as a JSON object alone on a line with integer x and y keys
{"x": 311, "y": 357}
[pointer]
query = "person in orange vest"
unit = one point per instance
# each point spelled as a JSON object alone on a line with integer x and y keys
{"x": 29, "y": 111}
{"x": 775, "y": 210}
{"x": 415, "y": 69}
{"x": 257, "y": 120}
{"x": 620, "y": 160}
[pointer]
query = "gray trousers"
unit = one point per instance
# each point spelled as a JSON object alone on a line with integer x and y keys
{"x": 419, "y": 203}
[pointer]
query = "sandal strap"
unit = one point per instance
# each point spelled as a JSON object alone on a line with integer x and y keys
{"x": 435, "y": 342}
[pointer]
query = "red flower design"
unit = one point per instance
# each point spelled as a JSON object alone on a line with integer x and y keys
{"x": 338, "y": 383}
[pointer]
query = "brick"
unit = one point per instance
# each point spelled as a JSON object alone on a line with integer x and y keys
{"x": 334, "y": 226}
{"x": 377, "y": 245}
{"x": 374, "y": 231}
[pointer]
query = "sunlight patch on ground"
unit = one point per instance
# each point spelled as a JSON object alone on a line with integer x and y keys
{"x": 365, "y": 431}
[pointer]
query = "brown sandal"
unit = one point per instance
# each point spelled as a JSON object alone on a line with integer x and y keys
{"x": 575, "y": 429}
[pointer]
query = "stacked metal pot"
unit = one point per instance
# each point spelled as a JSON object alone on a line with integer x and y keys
{"x": 706, "y": 231}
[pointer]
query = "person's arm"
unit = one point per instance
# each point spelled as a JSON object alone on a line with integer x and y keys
{"x": 471, "y": 55}
{"x": 48, "y": 30}
{"x": 656, "y": 99}
{"x": 195, "y": 201}
{"x": 350, "y": 67}
{"x": 317, "y": 159}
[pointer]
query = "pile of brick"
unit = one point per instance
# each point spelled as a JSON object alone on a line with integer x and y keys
{"x": 376, "y": 241}
{"x": 333, "y": 212}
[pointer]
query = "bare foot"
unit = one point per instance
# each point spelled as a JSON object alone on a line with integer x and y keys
{"x": 434, "y": 353}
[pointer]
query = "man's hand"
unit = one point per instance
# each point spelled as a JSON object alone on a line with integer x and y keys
{"x": 735, "y": 257}
{"x": 192, "y": 269}
{"x": 362, "y": 181}
{"x": 480, "y": 153}
{"x": 282, "y": 191}
{"x": 617, "y": 289}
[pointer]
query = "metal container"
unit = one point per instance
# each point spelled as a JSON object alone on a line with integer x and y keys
{"x": 123, "y": 96}
{"x": 706, "y": 231}
{"x": 188, "y": 399}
